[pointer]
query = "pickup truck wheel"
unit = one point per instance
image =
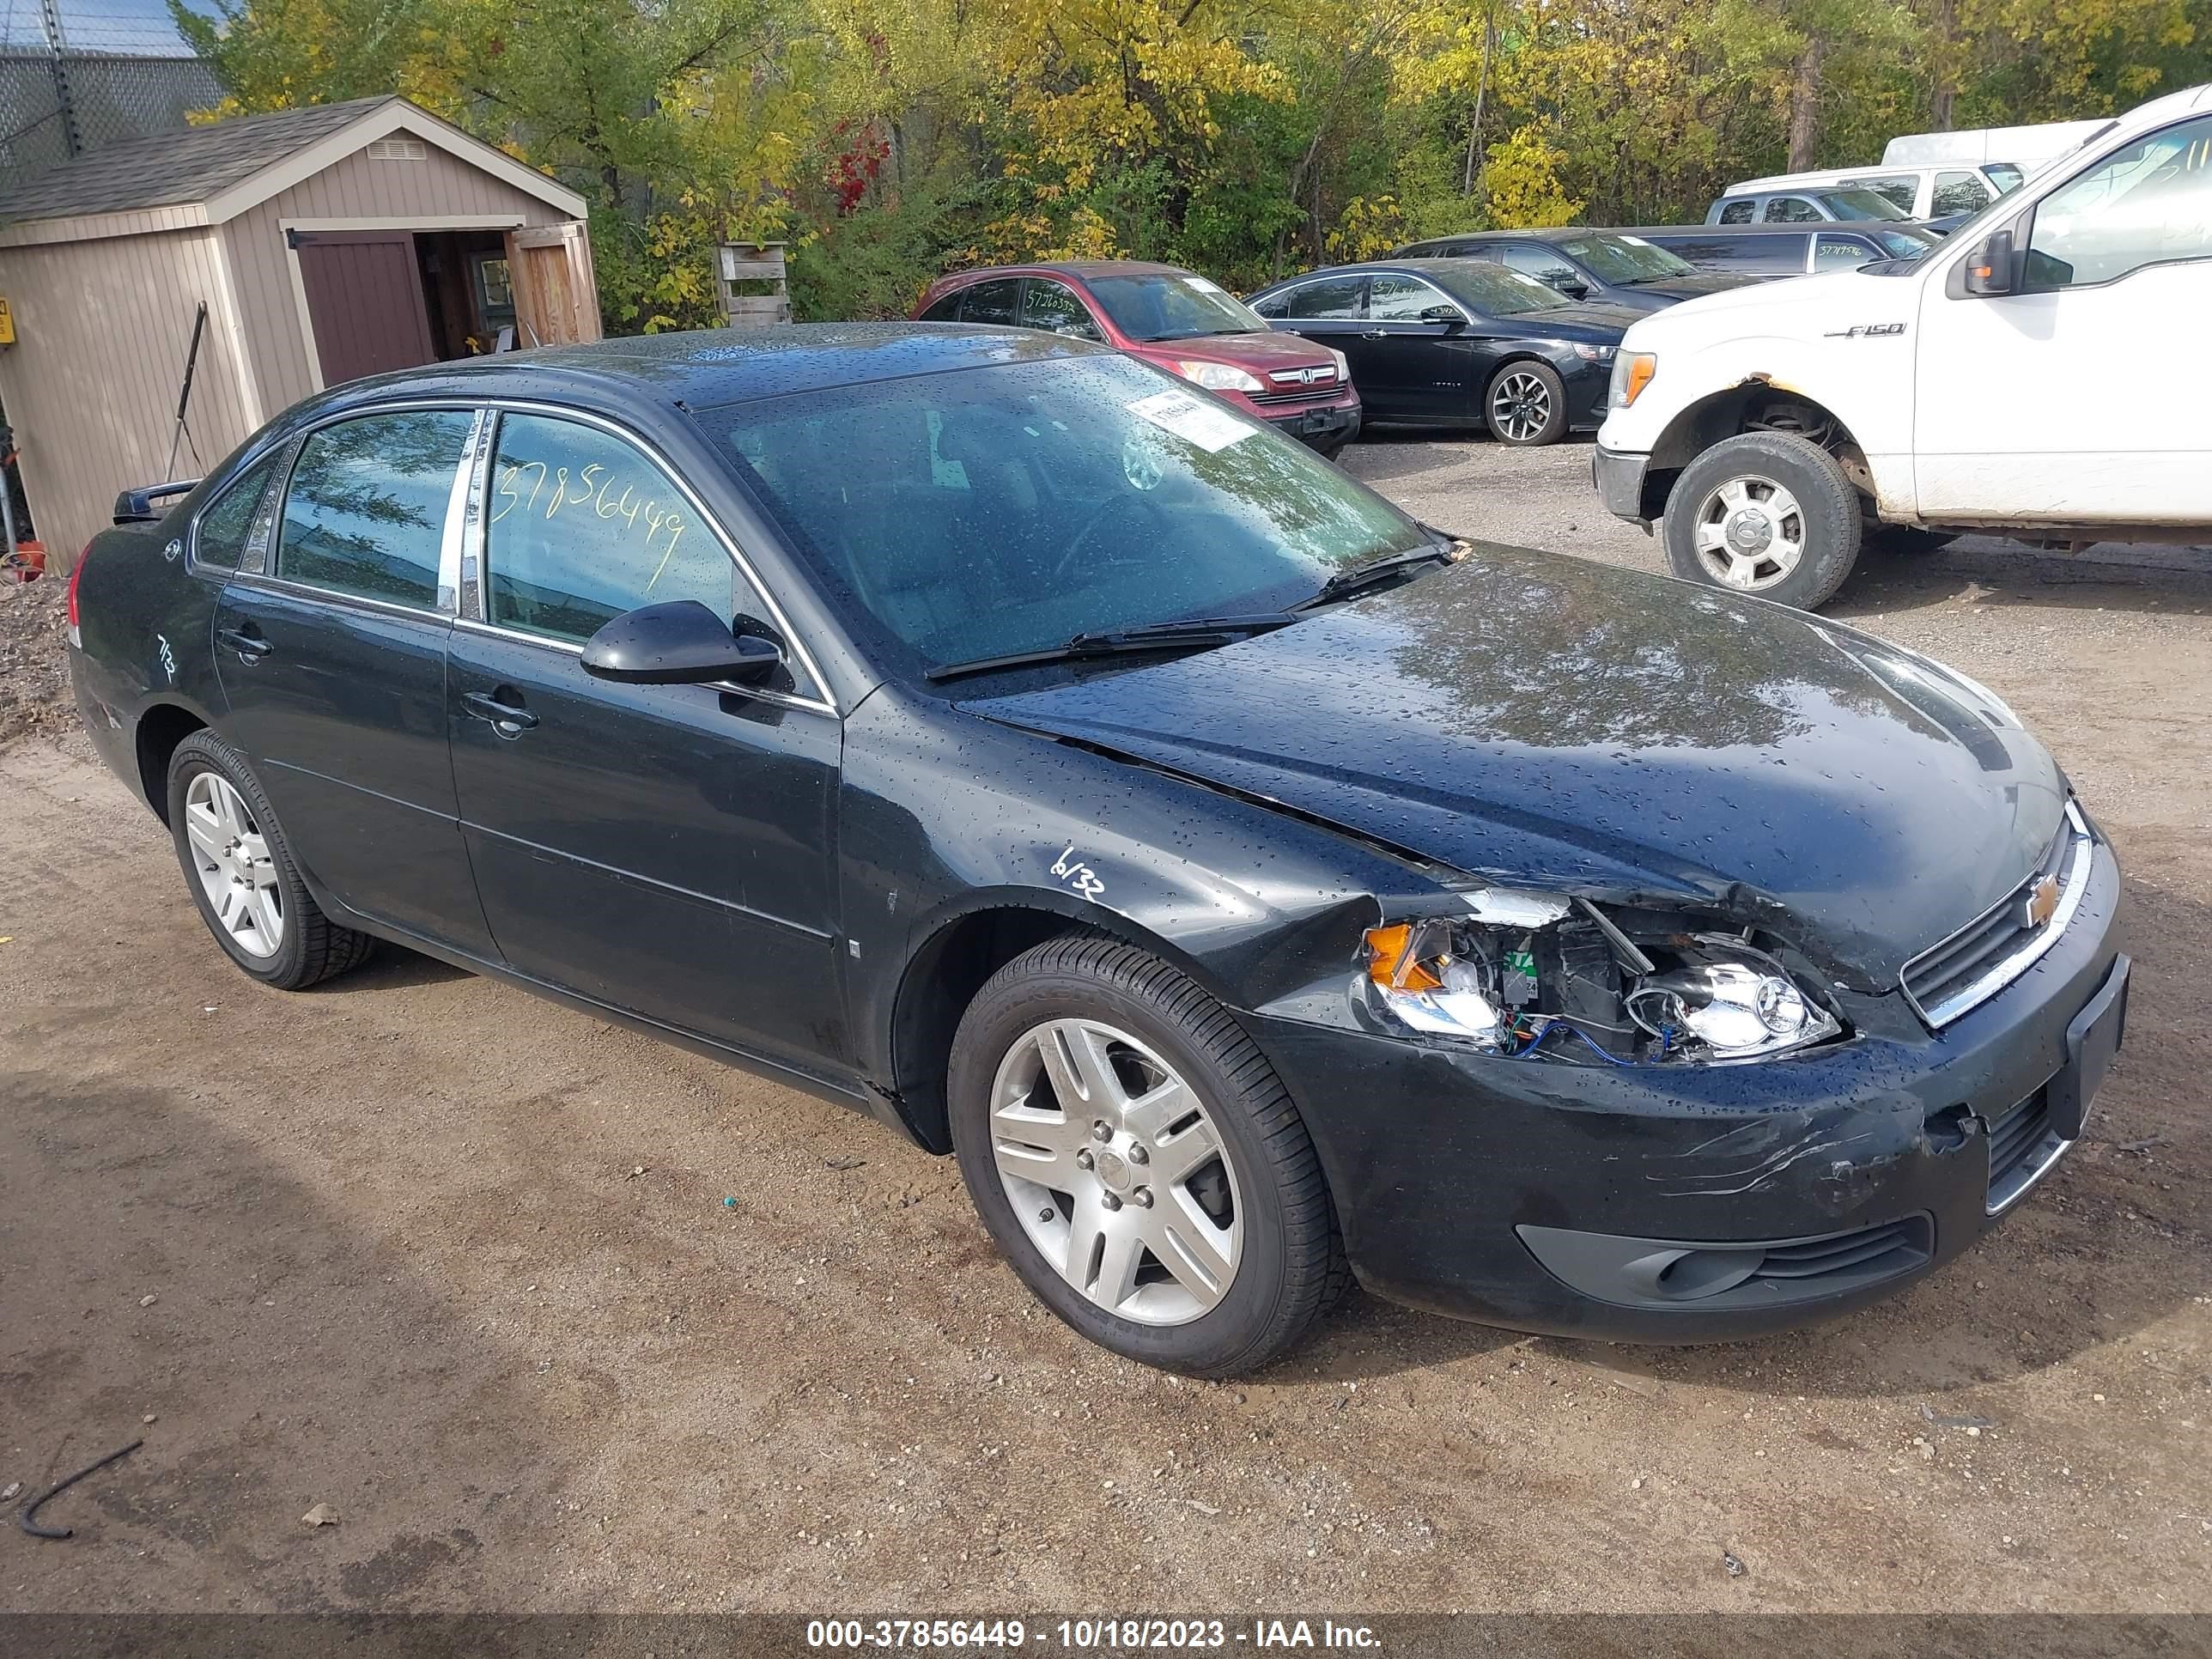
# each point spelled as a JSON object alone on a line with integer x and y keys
{"x": 1527, "y": 405}
{"x": 1767, "y": 514}
{"x": 1907, "y": 540}
{"x": 1138, "y": 1161}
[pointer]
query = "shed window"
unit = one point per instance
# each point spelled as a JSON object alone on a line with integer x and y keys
{"x": 365, "y": 511}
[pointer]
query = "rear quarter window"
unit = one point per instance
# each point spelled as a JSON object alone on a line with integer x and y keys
{"x": 223, "y": 529}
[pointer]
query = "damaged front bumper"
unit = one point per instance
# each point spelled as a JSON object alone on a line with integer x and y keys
{"x": 1619, "y": 478}
{"x": 1676, "y": 1203}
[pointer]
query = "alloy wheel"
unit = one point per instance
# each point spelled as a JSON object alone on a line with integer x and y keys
{"x": 1749, "y": 533}
{"x": 1116, "y": 1171}
{"x": 1520, "y": 404}
{"x": 231, "y": 857}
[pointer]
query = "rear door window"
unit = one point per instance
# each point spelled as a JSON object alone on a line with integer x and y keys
{"x": 996, "y": 301}
{"x": 1791, "y": 210}
{"x": 1333, "y": 298}
{"x": 1735, "y": 213}
{"x": 946, "y": 309}
{"x": 365, "y": 512}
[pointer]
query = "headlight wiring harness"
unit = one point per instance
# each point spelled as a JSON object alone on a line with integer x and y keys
{"x": 1535, "y": 976}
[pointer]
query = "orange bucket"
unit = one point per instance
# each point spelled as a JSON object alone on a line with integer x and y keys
{"x": 25, "y": 563}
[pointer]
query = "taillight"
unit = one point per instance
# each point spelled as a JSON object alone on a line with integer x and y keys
{"x": 76, "y": 575}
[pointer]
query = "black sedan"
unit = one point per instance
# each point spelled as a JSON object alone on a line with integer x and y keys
{"x": 1458, "y": 343}
{"x": 1254, "y": 888}
{"x": 1616, "y": 266}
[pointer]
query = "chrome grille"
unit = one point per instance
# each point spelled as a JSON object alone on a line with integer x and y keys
{"x": 2004, "y": 941}
{"x": 1303, "y": 394}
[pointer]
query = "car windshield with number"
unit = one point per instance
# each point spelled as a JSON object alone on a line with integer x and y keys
{"x": 1010, "y": 509}
{"x": 1172, "y": 307}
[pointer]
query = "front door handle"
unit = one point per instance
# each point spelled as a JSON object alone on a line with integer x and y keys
{"x": 1374, "y": 334}
{"x": 508, "y": 718}
{"x": 251, "y": 648}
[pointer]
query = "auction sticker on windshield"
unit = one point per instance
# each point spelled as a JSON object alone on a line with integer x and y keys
{"x": 1212, "y": 427}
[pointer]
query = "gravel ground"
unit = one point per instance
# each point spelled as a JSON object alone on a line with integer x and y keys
{"x": 35, "y": 696}
{"x": 458, "y": 1265}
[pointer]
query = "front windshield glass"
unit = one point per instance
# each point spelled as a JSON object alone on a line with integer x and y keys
{"x": 1626, "y": 260}
{"x": 988, "y": 512}
{"x": 1904, "y": 244}
{"x": 1178, "y": 307}
{"x": 2004, "y": 175}
{"x": 1494, "y": 290}
{"x": 1862, "y": 204}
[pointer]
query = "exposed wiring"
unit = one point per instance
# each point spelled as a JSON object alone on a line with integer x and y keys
{"x": 1589, "y": 1041}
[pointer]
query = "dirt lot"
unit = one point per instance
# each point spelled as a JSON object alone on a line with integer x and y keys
{"x": 458, "y": 1265}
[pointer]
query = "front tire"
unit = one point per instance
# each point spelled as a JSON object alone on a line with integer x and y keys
{"x": 1767, "y": 514}
{"x": 241, "y": 872}
{"x": 1140, "y": 1163}
{"x": 1526, "y": 404}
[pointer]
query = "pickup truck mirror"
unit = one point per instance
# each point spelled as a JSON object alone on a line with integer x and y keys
{"x": 1990, "y": 267}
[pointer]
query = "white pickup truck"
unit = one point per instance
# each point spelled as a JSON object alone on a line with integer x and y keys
{"x": 2045, "y": 373}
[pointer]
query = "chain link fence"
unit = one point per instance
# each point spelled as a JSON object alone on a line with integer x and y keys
{"x": 110, "y": 96}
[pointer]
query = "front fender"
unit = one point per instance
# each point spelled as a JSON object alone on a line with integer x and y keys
{"x": 945, "y": 816}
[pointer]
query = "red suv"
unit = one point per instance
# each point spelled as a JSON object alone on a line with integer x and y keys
{"x": 1174, "y": 319}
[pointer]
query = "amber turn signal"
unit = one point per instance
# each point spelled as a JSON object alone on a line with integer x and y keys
{"x": 1385, "y": 960}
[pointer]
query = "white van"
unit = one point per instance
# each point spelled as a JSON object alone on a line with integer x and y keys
{"x": 2042, "y": 374}
{"x": 2027, "y": 148}
{"x": 1919, "y": 192}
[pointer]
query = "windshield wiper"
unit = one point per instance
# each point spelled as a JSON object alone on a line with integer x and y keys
{"x": 1389, "y": 568}
{"x": 1181, "y": 635}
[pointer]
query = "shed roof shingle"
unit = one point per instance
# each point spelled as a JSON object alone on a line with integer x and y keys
{"x": 173, "y": 169}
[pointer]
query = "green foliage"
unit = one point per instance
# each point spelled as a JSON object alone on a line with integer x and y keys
{"x": 889, "y": 141}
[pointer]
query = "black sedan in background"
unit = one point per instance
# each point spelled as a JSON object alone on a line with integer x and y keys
{"x": 1616, "y": 266}
{"x": 1253, "y": 887}
{"x": 1458, "y": 343}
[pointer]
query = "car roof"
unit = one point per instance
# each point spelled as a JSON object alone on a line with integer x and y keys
{"x": 709, "y": 366}
{"x": 1077, "y": 268}
{"x": 1844, "y": 226}
{"x": 1545, "y": 233}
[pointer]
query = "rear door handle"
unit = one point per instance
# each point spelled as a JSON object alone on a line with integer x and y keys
{"x": 250, "y": 647}
{"x": 507, "y": 718}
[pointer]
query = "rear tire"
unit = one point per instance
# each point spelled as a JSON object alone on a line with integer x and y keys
{"x": 1201, "y": 1154}
{"x": 1526, "y": 404}
{"x": 239, "y": 871}
{"x": 1765, "y": 513}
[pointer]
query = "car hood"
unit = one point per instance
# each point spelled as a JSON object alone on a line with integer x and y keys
{"x": 1259, "y": 350}
{"x": 1650, "y": 296}
{"x": 1539, "y": 720}
{"x": 1598, "y": 321}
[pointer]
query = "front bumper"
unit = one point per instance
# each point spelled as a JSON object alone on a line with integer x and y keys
{"x": 1620, "y": 481}
{"x": 1329, "y": 426}
{"x": 1693, "y": 1203}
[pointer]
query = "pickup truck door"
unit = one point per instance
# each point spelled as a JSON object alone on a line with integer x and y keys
{"x": 2079, "y": 397}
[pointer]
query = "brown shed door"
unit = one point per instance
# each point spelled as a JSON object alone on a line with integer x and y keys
{"x": 556, "y": 298}
{"x": 364, "y": 301}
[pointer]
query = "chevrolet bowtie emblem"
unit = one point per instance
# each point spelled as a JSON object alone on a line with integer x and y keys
{"x": 2042, "y": 902}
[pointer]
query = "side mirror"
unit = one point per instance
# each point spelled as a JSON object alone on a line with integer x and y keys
{"x": 680, "y": 643}
{"x": 1989, "y": 267}
{"x": 1570, "y": 288}
{"x": 1449, "y": 316}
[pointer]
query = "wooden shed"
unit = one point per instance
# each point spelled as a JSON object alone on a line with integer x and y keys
{"x": 325, "y": 243}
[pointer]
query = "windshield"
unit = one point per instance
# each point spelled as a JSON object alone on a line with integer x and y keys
{"x": 1903, "y": 244}
{"x": 2004, "y": 175}
{"x": 1006, "y": 509}
{"x": 1627, "y": 260}
{"x": 1494, "y": 290}
{"x": 1177, "y": 307}
{"x": 1861, "y": 204}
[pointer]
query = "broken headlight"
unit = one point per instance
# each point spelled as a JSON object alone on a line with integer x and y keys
{"x": 1532, "y": 974}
